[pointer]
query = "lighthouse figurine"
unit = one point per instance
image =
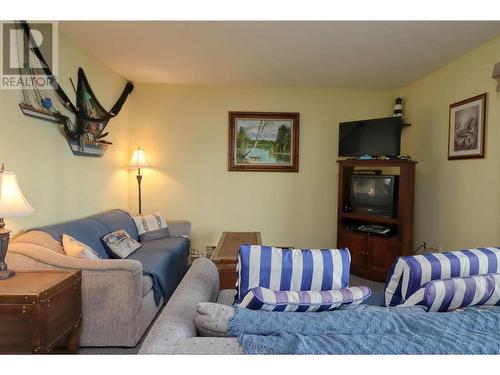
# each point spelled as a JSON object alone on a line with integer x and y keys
{"x": 398, "y": 107}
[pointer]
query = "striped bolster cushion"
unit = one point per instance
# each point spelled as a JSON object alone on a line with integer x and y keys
{"x": 410, "y": 273}
{"x": 271, "y": 300}
{"x": 450, "y": 294}
{"x": 291, "y": 269}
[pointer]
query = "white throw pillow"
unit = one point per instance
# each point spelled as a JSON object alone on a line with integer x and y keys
{"x": 77, "y": 249}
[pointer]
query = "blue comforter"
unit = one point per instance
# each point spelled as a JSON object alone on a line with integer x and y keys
{"x": 369, "y": 330}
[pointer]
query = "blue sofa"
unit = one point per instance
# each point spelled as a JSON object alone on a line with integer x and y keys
{"x": 120, "y": 297}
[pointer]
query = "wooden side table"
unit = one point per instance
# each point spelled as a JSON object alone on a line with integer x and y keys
{"x": 40, "y": 310}
{"x": 225, "y": 255}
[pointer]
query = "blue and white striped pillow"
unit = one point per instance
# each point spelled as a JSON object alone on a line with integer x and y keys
{"x": 302, "y": 301}
{"x": 291, "y": 269}
{"x": 450, "y": 294}
{"x": 410, "y": 273}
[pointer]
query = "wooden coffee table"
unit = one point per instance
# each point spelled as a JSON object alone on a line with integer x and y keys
{"x": 225, "y": 255}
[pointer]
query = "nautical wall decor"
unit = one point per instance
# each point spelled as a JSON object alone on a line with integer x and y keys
{"x": 85, "y": 134}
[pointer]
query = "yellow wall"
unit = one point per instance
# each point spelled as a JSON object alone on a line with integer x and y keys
{"x": 61, "y": 186}
{"x": 457, "y": 201}
{"x": 184, "y": 131}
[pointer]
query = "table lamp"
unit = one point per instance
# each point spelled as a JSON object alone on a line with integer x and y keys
{"x": 138, "y": 160}
{"x": 12, "y": 204}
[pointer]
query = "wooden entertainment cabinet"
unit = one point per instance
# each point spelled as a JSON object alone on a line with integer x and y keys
{"x": 373, "y": 254}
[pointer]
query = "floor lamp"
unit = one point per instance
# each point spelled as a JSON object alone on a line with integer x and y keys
{"x": 138, "y": 160}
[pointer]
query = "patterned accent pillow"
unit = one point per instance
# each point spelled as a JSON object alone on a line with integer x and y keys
{"x": 304, "y": 301}
{"x": 154, "y": 224}
{"x": 77, "y": 249}
{"x": 410, "y": 273}
{"x": 291, "y": 269}
{"x": 119, "y": 244}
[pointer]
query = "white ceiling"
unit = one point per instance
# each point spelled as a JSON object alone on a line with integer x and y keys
{"x": 357, "y": 54}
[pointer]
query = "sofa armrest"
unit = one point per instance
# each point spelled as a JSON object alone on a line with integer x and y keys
{"x": 179, "y": 228}
{"x": 52, "y": 258}
{"x": 111, "y": 291}
{"x": 176, "y": 322}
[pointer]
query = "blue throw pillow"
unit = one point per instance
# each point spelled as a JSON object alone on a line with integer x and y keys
{"x": 119, "y": 244}
{"x": 410, "y": 273}
{"x": 451, "y": 294}
{"x": 291, "y": 269}
{"x": 303, "y": 301}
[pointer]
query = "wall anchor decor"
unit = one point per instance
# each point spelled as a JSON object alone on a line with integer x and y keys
{"x": 86, "y": 134}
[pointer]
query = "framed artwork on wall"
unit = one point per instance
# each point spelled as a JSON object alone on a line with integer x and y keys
{"x": 263, "y": 141}
{"x": 467, "y": 122}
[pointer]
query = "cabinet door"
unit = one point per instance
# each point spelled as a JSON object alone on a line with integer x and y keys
{"x": 357, "y": 245}
{"x": 381, "y": 253}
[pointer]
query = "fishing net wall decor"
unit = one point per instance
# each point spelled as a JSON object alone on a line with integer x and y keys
{"x": 86, "y": 133}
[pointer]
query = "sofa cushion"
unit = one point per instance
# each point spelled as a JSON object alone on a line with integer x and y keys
{"x": 119, "y": 244}
{"x": 88, "y": 231}
{"x": 155, "y": 235}
{"x": 117, "y": 219}
{"x": 42, "y": 239}
{"x": 226, "y": 296}
{"x": 165, "y": 260}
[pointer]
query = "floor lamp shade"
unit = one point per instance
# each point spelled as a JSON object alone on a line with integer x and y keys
{"x": 12, "y": 204}
{"x": 139, "y": 160}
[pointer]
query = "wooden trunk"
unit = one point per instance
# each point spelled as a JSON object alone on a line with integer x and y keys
{"x": 40, "y": 310}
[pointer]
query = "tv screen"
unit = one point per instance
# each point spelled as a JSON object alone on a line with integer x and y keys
{"x": 377, "y": 137}
{"x": 373, "y": 194}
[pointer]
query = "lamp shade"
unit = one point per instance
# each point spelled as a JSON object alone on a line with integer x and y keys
{"x": 138, "y": 159}
{"x": 12, "y": 201}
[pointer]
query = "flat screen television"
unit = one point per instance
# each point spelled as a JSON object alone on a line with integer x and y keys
{"x": 377, "y": 137}
{"x": 374, "y": 194}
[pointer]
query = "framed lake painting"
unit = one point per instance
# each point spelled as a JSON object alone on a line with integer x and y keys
{"x": 263, "y": 141}
{"x": 467, "y": 128}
